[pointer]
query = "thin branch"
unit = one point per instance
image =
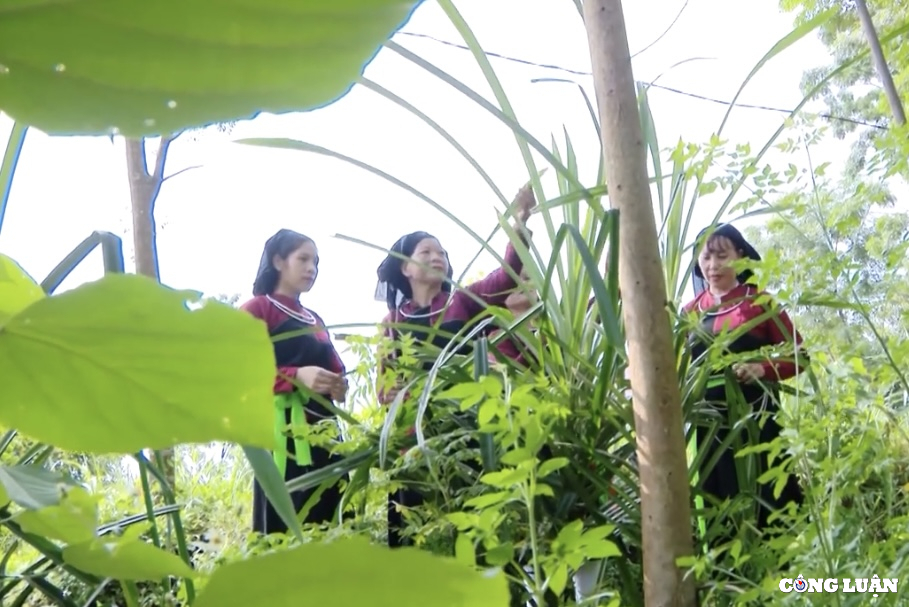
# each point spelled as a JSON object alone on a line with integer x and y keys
{"x": 172, "y": 175}
{"x": 161, "y": 158}
{"x": 663, "y": 35}
{"x": 880, "y": 63}
{"x": 157, "y": 178}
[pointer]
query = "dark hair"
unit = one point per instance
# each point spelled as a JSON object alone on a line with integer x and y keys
{"x": 393, "y": 287}
{"x": 282, "y": 245}
{"x": 709, "y": 237}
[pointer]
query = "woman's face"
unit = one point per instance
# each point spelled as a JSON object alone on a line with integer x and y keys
{"x": 714, "y": 260}
{"x": 299, "y": 269}
{"x": 523, "y": 297}
{"x": 428, "y": 264}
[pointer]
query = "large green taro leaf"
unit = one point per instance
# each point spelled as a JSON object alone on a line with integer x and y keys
{"x": 352, "y": 572}
{"x": 32, "y": 487}
{"x": 141, "y": 68}
{"x": 124, "y": 363}
{"x": 124, "y": 558}
{"x": 17, "y": 289}
{"x": 74, "y": 521}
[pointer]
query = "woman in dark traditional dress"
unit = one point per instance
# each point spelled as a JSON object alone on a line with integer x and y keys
{"x": 289, "y": 267}
{"x": 419, "y": 294}
{"x": 725, "y": 302}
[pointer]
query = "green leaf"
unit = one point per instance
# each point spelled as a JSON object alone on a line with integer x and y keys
{"x": 500, "y": 555}
{"x": 125, "y": 559}
{"x": 33, "y": 487}
{"x": 488, "y": 499}
{"x": 462, "y": 391}
{"x": 601, "y": 549}
{"x": 505, "y": 478}
{"x": 464, "y": 551}
{"x": 558, "y": 579}
{"x": 325, "y": 572}
{"x": 487, "y": 412}
{"x": 516, "y": 456}
{"x": 17, "y": 289}
{"x": 73, "y": 520}
{"x": 462, "y": 520}
{"x": 542, "y": 489}
{"x": 491, "y": 385}
{"x": 570, "y": 535}
{"x": 164, "y": 66}
{"x": 125, "y": 364}
{"x": 598, "y": 533}
{"x": 551, "y": 465}
{"x": 707, "y": 187}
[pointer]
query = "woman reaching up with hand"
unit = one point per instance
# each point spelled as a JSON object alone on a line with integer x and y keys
{"x": 288, "y": 268}
{"x": 419, "y": 294}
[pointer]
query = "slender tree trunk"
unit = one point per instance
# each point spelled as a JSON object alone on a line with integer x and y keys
{"x": 144, "y": 187}
{"x": 880, "y": 63}
{"x": 665, "y": 507}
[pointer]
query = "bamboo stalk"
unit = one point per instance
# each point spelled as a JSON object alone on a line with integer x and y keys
{"x": 665, "y": 507}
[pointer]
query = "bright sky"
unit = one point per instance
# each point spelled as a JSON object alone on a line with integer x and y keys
{"x": 215, "y": 219}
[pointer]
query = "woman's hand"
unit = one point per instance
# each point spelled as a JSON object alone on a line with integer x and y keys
{"x": 319, "y": 380}
{"x": 524, "y": 203}
{"x": 339, "y": 392}
{"x": 748, "y": 372}
{"x": 390, "y": 394}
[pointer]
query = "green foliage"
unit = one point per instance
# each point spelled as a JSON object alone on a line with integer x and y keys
{"x": 528, "y": 477}
{"x": 167, "y": 66}
{"x": 854, "y": 96}
{"x": 17, "y": 289}
{"x": 115, "y": 349}
{"x": 341, "y": 571}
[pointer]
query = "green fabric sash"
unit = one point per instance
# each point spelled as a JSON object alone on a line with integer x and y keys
{"x": 302, "y": 453}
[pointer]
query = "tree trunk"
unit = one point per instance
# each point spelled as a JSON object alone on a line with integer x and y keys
{"x": 880, "y": 63}
{"x": 665, "y": 507}
{"x": 144, "y": 187}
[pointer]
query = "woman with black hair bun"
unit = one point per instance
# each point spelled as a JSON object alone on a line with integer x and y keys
{"x": 288, "y": 268}
{"x": 415, "y": 283}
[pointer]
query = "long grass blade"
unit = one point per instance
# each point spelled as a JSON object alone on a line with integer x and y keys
{"x": 377, "y": 88}
{"x": 784, "y": 43}
{"x": 292, "y": 144}
{"x": 272, "y": 484}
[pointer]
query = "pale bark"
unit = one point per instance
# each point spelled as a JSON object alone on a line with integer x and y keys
{"x": 144, "y": 186}
{"x": 880, "y": 63}
{"x": 665, "y": 507}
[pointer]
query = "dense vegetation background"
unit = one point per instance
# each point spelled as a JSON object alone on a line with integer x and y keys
{"x": 563, "y": 495}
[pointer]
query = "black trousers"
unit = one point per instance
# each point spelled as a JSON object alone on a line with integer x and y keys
{"x": 266, "y": 519}
{"x": 722, "y": 482}
{"x": 408, "y": 499}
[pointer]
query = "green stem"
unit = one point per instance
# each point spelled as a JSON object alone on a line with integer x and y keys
{"x": 529, "y": 492}
{"x": 130, "y": 593}
{"x": 8, "y": 163}
{"x": 170, "y": 499}
{"x": 150, "y": 516}
{"x": 147, "y": 496}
